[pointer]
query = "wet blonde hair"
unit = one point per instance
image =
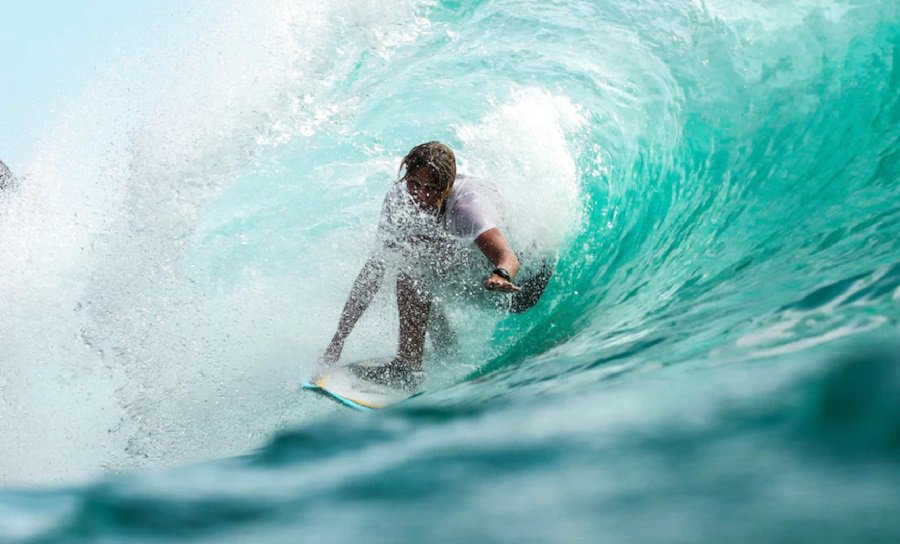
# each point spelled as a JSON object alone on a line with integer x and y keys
{"x": 438, "y": 159}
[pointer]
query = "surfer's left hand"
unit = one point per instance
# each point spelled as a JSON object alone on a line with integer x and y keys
{"x": 496, "y": 283}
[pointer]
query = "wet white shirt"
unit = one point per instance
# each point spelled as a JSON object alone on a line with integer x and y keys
{"x": 472, "y": 209}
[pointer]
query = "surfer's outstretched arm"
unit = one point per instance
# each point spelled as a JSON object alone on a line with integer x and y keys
{"x": 364, "y": 288}
{"x": 497, "y": 250}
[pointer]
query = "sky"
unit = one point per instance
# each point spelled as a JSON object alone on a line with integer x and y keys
{"x": 49, "y": 51}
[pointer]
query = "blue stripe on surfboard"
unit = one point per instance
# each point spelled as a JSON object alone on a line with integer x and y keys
{"x": 334, "y": 396}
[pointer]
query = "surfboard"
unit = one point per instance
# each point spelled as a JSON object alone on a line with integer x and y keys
{"x": 341, "y": 385}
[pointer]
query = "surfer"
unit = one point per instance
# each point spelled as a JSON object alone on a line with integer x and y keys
{"x": 429, "y": 221}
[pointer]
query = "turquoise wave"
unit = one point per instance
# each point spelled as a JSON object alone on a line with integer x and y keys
{"x": 716, "y": 357}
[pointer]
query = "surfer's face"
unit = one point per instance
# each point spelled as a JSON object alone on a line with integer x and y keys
{"x": 423, "y": 188}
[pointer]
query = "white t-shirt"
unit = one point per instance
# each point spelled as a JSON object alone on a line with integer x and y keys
{"x": 438, "y": 249}
{"x": 472, "y": 209}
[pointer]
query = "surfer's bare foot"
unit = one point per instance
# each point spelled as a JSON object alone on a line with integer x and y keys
{"x": 396, "y": 374}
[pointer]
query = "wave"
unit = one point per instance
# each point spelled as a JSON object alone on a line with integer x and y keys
{"x": 717, "y": 181}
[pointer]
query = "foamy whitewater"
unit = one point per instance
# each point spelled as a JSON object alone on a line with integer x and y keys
{"x": 716, "y": 358}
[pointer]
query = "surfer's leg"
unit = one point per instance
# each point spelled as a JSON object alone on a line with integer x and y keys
{"x": 532, "y": 289}
{"x": 442, "y": 336}
{"x": 405, "y": 371}
{"x": 414, "y": 306}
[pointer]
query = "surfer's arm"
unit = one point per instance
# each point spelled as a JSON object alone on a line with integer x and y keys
{"x": 497, "y": 250}
{"x": 364, "y": 288}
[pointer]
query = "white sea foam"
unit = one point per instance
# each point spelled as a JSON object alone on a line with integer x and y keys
{"x": 523, "y": 147}
{"x": 111, "y": 355}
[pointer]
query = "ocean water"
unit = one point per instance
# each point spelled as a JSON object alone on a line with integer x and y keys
{"x": 717, "y": 357}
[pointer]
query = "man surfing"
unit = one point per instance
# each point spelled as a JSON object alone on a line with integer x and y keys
{"x": 429, "y": 221}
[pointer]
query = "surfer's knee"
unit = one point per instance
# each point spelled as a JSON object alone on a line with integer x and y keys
{"x": 411, "y": 290}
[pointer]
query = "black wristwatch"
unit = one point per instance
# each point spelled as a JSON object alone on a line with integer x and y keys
{"x": 503, "y": 273}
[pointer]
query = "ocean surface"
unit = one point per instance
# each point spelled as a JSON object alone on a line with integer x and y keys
{"x": 717, "y": 358}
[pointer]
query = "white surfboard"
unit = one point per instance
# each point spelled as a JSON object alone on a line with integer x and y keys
{"x": 343, "y": 386}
